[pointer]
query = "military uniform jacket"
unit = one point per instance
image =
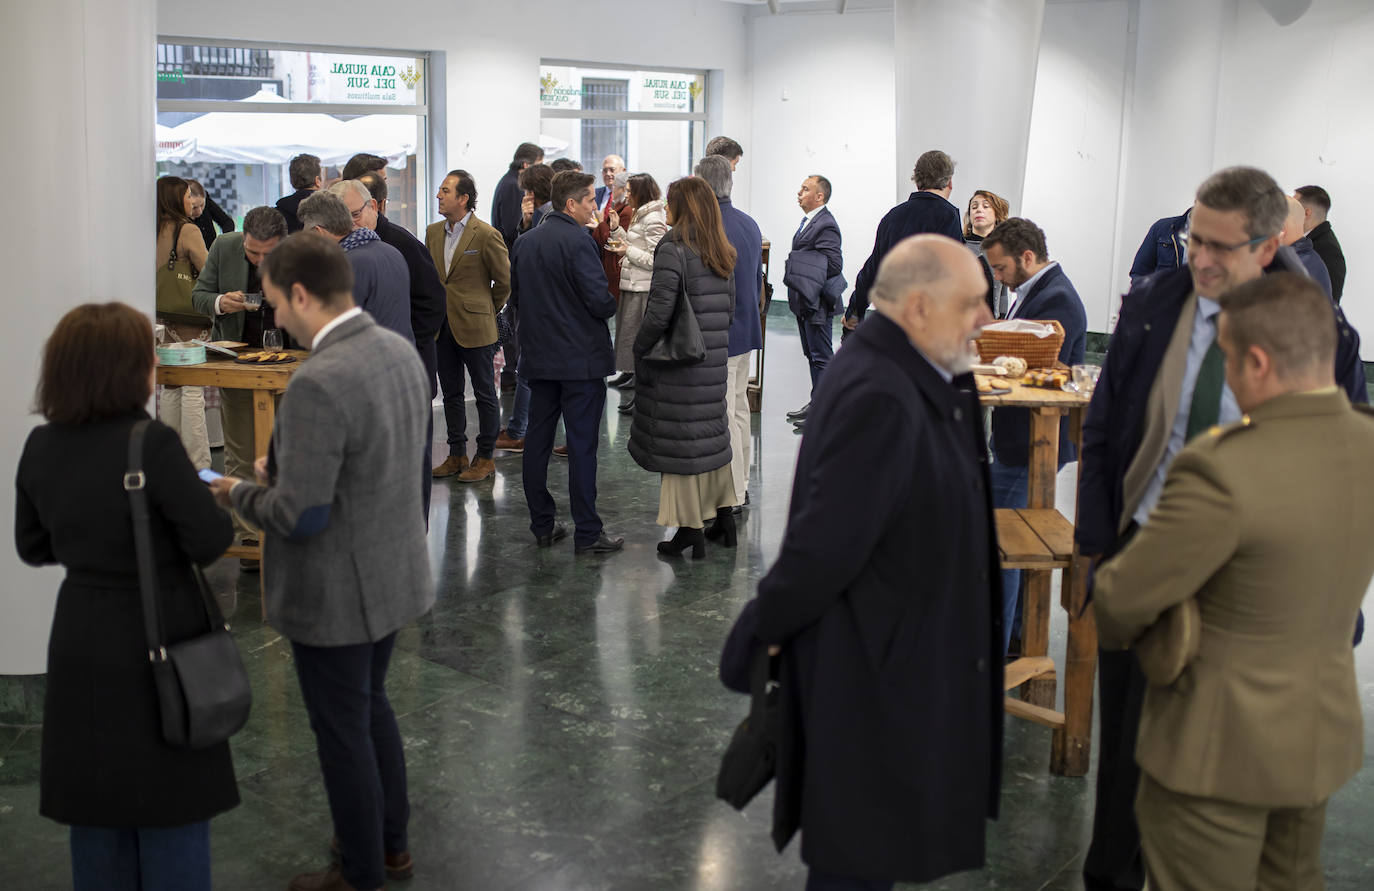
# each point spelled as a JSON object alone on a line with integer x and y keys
{"x": 1266, "y": 523}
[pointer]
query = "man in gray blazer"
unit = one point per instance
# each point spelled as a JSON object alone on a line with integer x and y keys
{"x": 338, "y": 500}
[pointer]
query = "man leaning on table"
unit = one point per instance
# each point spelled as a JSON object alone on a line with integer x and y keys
{"x": 1240, "y": 598}
{"x": 345, "y": 560}
{"x": 231, "y": 274}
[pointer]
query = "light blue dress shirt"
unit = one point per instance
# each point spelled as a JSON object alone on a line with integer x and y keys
{"x": 453, "y": 233}
{"x": 1204, "y": 332}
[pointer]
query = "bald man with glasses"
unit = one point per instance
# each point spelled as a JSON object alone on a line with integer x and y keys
{"x": 1162, "y": 384}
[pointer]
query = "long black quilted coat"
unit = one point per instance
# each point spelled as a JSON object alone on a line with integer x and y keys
{"x": 679, "y": 421}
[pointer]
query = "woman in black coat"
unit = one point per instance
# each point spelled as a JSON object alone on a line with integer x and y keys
{"x": 679, "y": 427}
{"x": 205, "y": 213}
{"x": 138, "y": 808}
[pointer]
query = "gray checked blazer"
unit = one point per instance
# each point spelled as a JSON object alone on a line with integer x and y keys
{"x": 344, "y": 552}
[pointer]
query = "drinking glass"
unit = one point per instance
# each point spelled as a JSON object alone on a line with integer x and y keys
{"x": 1085, "y": 377}
{"x": 271, "y": 339}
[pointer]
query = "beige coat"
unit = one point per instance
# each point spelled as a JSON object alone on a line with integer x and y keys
{"x": 1267, "y": 524}
{"x": 477, "y": 281}
{"x": 646, "y": 229}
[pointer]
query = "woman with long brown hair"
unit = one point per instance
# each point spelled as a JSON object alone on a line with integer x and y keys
{"x": 178, "y": 239}
{"x": 645, "y": 223}
{"x": 679, "y": 428}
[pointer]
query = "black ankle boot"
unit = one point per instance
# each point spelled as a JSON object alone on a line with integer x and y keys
{"x": 724, "y": 527}
{"x": 682, "y": 539}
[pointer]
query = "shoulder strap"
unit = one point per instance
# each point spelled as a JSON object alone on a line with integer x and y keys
{"x": 135, "y": 483}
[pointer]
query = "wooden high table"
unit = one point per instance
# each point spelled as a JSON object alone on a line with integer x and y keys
{"x": 266, "y": 381}
{"x": 1038, "y": 541}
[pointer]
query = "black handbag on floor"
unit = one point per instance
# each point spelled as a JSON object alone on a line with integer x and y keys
{"x": 682, "y": 343}
{"x": 202, "y": 687}
{"x": 751, "y": 760}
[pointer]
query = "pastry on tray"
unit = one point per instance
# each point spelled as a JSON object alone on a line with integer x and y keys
{"x": 1046, "y": 378}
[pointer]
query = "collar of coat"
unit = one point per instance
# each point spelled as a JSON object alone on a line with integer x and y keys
{"x": 888, "y": 338}
{"x": 359, "y": 237}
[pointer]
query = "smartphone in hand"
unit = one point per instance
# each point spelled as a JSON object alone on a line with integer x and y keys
{"x": 208, "y": 476}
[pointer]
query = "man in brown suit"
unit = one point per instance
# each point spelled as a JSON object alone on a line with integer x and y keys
{"x": 472, "y": 260}
{"x": 1240, "y": 597}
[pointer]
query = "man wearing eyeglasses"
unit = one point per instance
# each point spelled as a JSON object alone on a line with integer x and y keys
{"x": 1163, "y": 382}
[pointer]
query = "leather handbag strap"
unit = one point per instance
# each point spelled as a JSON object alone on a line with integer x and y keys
{"x": 135, "y": 483}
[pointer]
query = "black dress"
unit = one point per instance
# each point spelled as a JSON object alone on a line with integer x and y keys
{"x": 103, "y": 759}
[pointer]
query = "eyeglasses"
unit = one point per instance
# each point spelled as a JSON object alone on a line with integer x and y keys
{"x": 1216, "y": 247}
{"x": 358, "y": 214}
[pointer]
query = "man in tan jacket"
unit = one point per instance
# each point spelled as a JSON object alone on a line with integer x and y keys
{"x": 472, "y": 261}
{"x": 1240, "y": 597}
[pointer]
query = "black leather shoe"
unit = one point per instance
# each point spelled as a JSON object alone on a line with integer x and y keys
{"x": 683, "y": 539}
{"x": 558, "y": 533}
{"x": 604, "y": 544}
{"x": 627, "y": 408}
{"x": 799, "y": 414}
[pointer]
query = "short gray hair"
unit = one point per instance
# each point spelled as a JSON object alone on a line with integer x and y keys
{"x": 326, "y": 210}
{"x": 351, "y": 185}
{"x": 264, "y": 223}
{"x": 1250, "y": 191}
{"x": 715, "y": 169}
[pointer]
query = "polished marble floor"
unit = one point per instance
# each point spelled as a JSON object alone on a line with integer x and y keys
{"x": 562, "y": 717}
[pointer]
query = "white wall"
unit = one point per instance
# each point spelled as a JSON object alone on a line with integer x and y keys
{"x": 1075, "y": 146}
{"x": 91, "y": 120}
{"x": 493, "y": 53}
{"x": 1296, "y": 101}
{"x": 837, "y": 120}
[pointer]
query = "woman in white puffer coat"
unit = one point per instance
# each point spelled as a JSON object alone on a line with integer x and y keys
{"x": 635, "y": 242}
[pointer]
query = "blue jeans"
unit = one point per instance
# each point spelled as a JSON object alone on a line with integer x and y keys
{"x": 175, "y": 858}
{"x": 360, "y": 751}
{"x": 1010, "y": 488}
{"x": 519, "y": 409}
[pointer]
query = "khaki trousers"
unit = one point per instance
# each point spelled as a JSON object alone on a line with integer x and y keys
{"x": 737, "y": 416}
{"x": 236, "y": 411}
{"x": 1203, "y": 844}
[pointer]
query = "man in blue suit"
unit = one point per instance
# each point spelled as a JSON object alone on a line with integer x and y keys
{"x": 814, "y": 283}
{"x": 1162, "y": 382}
{"x": 927, "y": 210}
{"x": 1302, "y": 245}
{"x": 1164, "y": 247}
{"x": 557, "y": 282}
{"x": 1016, "y": 251}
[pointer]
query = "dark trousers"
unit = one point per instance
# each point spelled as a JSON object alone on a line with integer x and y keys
{"x": 816, "y": 342}
{"x": 360, "y": 750}
{"x": 478, "y": 362}
{"x": 821, "y": 881}
{"x": 580, "y": 403}
{"x": 173, "y": 858}
{"x": 429, "y": 355}
{"x": 1113, "y": 861}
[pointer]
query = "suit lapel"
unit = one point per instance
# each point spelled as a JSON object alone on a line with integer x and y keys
{"x": 469, "y": 235}
{"x": 1018, "y": 309}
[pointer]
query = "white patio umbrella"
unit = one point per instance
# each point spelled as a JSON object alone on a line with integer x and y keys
{"x": 264, "y": 138}
{"x": 552, "y": 145}
{"x": 171, "y": 147}
{"x": 392, "y": 136}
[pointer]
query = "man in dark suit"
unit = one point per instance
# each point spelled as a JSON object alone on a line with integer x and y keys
{"x": 307, "y": 177}
{"x": 1316, "y": 205}
{"x": 813, "y": 279}
{"x": 926, "y": 210}
{"x": 1162, "y": 383}
{"x": 505, "y": 201}
{"x": 607, "y": 195}
{"x": 1016, "y": 252}
{"x": 1164, "y": 247}
{"x": 559, "y": 287}
{"x": 1302, "y": 245}
{"x": 426, "y": 298}
{"x": 879, "y": 794}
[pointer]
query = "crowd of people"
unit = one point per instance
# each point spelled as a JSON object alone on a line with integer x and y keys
{"x": 1231, "y": 357}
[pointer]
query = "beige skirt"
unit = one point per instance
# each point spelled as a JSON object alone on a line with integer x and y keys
{"x": 692, "y": 500}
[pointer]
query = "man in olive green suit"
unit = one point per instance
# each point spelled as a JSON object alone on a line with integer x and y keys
{"x": 473, "y": 262}
{"x": 1240, "y": 597}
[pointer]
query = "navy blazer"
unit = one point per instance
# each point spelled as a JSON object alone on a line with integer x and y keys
{"x": 505, "y": 206}
{"x": 746, "y": 333}
{"x": 813, "y": 266}
{"x": 1328, "y": 247}
{"x": 1112, "y": 430}
{"x": 381, "y": 285}
{"x": 1162, "y": 248}
{"x": 428, "y": 300}
{"x": 922, "y": 212}
{"x": 559, "y": 287}
{"x": 1052, "y": 297}
{"x": 886, "y": 578}
{"x": 1313, "y": 263}
{"x": 289, "y": 205}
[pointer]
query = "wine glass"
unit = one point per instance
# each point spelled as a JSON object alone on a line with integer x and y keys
{"x": 271, "y": 339}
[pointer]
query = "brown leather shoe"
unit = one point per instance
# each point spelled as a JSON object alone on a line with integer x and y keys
{"x": 326, "y": 880}
{"x": 398, "y": 866}
{"x": 478, "y": 471}
{"x": 453, "y": 464}
{"x": 508, "y": 444}
{"x": 561, "y": 451}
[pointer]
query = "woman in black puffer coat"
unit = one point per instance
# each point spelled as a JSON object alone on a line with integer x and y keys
{"x": 679, "y": 427}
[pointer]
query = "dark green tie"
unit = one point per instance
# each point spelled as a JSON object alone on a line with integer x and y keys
{"x": 1206, "y": 406}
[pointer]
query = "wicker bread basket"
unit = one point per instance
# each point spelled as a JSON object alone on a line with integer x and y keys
{"x": 1038, "y": 352}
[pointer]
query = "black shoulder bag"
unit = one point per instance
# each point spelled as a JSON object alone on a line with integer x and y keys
{"x": 682, "y": 343}
{"x": 202, "y": 686}
{"x": 751, "y": 760}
